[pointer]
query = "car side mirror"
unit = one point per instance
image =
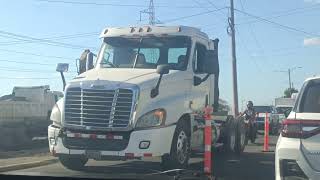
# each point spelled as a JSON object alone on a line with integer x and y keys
{"x": 163, "y": 69}
{"x": 211, "y": 62}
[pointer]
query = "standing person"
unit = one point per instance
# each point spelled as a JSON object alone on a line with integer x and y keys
{"x": 250, "y": 114}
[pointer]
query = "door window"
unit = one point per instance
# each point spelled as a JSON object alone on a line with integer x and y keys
{"x": 198, "y": 58}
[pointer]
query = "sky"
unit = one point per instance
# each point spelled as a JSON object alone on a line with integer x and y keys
{"x": 275, "y": 36}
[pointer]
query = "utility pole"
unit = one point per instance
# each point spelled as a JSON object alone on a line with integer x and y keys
{"x": 231, "y": 32}
{"x": 151, "y": 12}
{"x": 289, "y": 73}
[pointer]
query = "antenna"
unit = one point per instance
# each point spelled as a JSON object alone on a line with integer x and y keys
{"x": 151, "y": 12}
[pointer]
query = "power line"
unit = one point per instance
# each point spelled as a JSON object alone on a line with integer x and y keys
{"x": 193, "y": 15}
{"x": 24, "y": 70}
{"x": 23, "y": 62}
{"x": 247, "y": 49}
{"x": 31, "y": 78}
{"x": 34, "y": 54}
{"x": 197, "y": 2}
{"x": 286, "y": 13}
{"x": 278, "y": 24}
{"x": 113, "y": 4}
{"x": 40, "y": 40}
{"x": 253, "y": 35}
{"x": 23, "y": 41}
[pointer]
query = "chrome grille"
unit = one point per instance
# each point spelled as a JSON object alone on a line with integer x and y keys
{"x": 98, "y": 108}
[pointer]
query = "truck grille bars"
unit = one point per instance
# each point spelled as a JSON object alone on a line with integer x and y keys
{"x": 98, "y": 108}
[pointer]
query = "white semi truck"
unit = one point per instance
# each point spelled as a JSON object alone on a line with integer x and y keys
{"x": 144, "y": 97}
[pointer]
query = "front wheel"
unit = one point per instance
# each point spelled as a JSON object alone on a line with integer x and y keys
{"x": 180, "y": 149}
{"x": 73, "y": 162}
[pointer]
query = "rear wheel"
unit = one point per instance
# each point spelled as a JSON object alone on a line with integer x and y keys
{"x": 230, "y": 140}
{"x": 180, "y": 149}
{"x": 240, "y": 136}
{"x": 73, "y": 162}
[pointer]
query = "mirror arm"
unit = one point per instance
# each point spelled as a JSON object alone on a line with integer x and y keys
{"x": 155, "y": 90}
{"x": 63, "y": 80}
{"x": 78, "y": 69}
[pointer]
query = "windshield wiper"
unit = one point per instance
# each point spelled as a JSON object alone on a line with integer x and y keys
{"x": 138, "y": 52}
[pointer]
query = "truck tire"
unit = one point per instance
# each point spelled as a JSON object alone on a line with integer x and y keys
{"x": 240, "y": 137}
{"x": 76, "y": 163}
{"x": 180, "y": 149}
{"x": 230, "y": 139}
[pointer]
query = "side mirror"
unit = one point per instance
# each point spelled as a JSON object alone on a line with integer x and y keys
{"x": 62, "y": 67}
{"x": 89, "y": 64}
{"x": 211, "y": 65}
{"x": 163, "y": 69}
{"x": 85, "y": 61}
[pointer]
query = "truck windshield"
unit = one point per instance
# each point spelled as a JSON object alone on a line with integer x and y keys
{"x": 122, "y": 52}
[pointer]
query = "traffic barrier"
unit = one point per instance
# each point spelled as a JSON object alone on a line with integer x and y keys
{"x": 207, "y": 141}
{"x": 266, "y": 133}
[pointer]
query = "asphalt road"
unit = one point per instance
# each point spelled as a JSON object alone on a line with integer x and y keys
{"x": 252, "y": 164}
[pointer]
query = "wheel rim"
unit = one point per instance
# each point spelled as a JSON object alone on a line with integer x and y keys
{"x": 182, "y": 147}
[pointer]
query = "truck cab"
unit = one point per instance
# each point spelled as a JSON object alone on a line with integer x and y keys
{"x": 140, "y": 98}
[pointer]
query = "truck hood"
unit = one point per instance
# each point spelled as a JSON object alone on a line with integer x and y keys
{"x": 121, "y": 75}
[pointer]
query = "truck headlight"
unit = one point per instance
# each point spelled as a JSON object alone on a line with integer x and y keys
{"x": 55, "y": 116}
{"x": 153, "y": 118}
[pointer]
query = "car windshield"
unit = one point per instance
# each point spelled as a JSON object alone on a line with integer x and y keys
{"x": 262, "y": 109}
{"x": 144, "y": 52}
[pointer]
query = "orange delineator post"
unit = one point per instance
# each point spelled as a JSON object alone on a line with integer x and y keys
{"x": 207, "y": 141}
{"x": 266, "y": 134}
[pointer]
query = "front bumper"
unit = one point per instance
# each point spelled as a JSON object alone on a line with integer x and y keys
{"x": 160, "y": 143}
{"x": 289, "y": 149}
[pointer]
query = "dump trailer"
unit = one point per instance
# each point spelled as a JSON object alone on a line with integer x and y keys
{"x": 25, "y": 114}
{"x": 144, "y": 98}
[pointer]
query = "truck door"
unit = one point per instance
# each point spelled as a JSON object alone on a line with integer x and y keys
{"x": 199, "y": 93}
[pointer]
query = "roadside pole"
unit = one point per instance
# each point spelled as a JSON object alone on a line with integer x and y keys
{"x": 266, "y": 134}
{"x": 231, "y": 32}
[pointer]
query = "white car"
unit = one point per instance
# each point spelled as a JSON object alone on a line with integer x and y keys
{"x": 297, "y": 153}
